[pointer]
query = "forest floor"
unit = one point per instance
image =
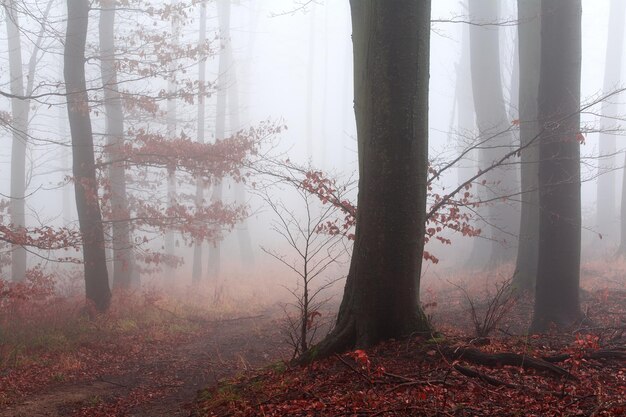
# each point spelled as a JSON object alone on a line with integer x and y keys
{"x": 154, "y": 355}
{"x": 454, "y": 372}
{"x": 129, "y": 364}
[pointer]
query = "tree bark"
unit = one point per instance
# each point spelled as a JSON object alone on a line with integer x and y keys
{"x": 83, "y": 165}
{"x": 529, "y": 35}
{"x": 20, "y": 110}
{"x": 493, "y": 123}
{"x": 121, "y": 245}
{"x": 558, "y": 269}
{"x": 391, "y": 68}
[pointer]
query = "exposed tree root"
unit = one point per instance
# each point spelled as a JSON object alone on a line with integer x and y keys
{"x": 506, "y": 358}
{"x": 472, "y": 373}
{"x": 615, "y": 354}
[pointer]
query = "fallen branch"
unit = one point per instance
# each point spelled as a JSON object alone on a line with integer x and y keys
{"x": 615, "y": 354}
{"x": 472, "y": 373}
{"x": 353, "y": 369}
{"x": 506, "y": 358}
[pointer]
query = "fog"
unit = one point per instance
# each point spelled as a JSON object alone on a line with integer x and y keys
{"x": 273, "y": 51}
{"x": 211, "y": 203}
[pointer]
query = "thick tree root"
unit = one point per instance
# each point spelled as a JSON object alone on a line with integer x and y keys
{"x": 472, "y": 373}
{"x": 342, "y": 338}
{"x": 615, "y": 354}
{"x": 506, "y": 358}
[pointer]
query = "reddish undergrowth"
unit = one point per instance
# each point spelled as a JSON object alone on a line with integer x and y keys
{"x": 455, "y": 373}
{"x": 147, "y": 356}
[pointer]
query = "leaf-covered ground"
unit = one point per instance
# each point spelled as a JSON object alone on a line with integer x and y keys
{"x": 145, "y": 358}
{"x": 149, "y": 356}
{"x": 454, "y": 373}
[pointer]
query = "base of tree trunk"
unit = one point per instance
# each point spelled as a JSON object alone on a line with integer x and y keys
{"x": 545, "y": 324}
{"x": 345, "y": 337}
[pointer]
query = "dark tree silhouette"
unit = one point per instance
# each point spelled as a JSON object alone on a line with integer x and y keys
{"x": 83, "y": 164}
{"x": 558, "y": 268}
{"x": 529, "y": 31}
{"x": 391, "y": 69}
{"x": 123, "y": 261}
{"x": 493, "y": 124}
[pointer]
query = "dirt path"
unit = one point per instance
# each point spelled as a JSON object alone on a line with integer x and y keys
{"x": 165, "y": 385}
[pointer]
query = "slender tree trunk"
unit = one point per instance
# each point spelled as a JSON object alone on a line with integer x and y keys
{"x": 466, "y": 117}
{"x": 20, "y": 113}
{"x": 243, "y": 233}
{"x": 243, "y": 229}
{"x": 196, "y": 274}
{"x": 20, "y": 110}
{"x": 172, "y": 118}
{"x": 66, "y": 155}
{"x": 323, "y": 123}
{"x": 85, "y": 184}
{"x": 234, "y": 110}
{"x": 492, "y": 120}
{"x": 558, "y": 268}
{"x": 391, "y": 69}
{"x": 224, "y": 69}
{"x": 529, "y": 36}
{"x": 606, "y": 193}
{"x": 122, "y": 249}
{"x": 310, "y": 83}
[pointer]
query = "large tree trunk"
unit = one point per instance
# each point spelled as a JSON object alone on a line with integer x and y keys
{"x": 20, "y": 110}
{"x": 391, "y": 69}
{"x": 493, "y": 122}
{"x": 224, "y": 69}
{"x": 121, "y": 245}
{"x": 83, "y": 165}
{"x": 558, "y": 269}
{"x": 606, "y": 194}
{"x": 529, "y": 35}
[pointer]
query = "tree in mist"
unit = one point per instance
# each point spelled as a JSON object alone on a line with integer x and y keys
{"x": 114, "y": 131}
{"x": 529, "y": 31}
{"x": 247, "y": 67}
{"x": 391, "y": 66}
{"x": 227, "y": 104}
{"x": 83, "y": 164}
{"x": 464, "y": 106}
{"x": 243, "y": 233}
{"x": 224, "y": 70}
{"x": 310, "y": 83}
{"x": 20, "y": 108}
{"x": 558, "y": 267}
{"x": 606, "y": 192}
{"x": 172, "y": 118}
{"x": 196, "y": 272}
{"x": 234, "y": 111}
{"x": 493, "y": 124}
{"x": 20, "y": 112}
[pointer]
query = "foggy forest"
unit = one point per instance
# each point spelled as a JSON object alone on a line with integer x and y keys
{"x": 312, "y": 208}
